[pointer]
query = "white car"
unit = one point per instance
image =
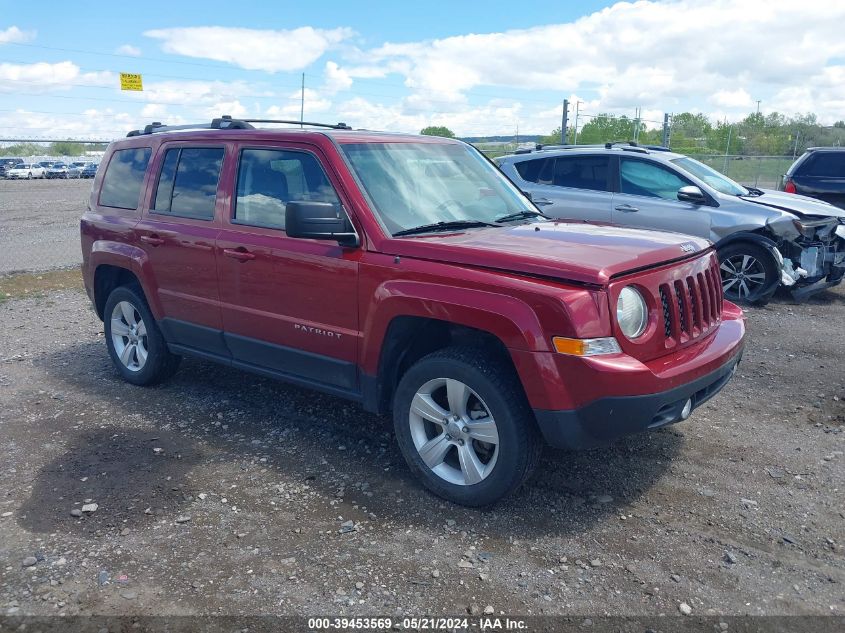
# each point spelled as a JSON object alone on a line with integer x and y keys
{"x": 26, "y": 170}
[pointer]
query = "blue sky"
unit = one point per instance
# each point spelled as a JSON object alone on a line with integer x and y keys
{"x": 477, "y": 67}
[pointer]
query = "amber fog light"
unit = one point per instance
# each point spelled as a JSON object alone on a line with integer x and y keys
{"x": 631, "y": 312}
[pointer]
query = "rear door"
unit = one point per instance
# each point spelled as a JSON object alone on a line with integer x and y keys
{"x": 177, "y": 230}
{"x": 822, "y": 175}
{"x": 569, "y": 187}
{"x": 647, "y": 197}
{"x": 289, "y": 305}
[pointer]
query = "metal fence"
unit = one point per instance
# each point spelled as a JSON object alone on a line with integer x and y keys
{"x": 755, "y": 171}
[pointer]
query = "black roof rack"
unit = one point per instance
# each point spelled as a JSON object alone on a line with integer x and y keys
{"x": 226, "y": 122}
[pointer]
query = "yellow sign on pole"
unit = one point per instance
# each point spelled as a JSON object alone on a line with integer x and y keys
{"x": 129, "y": 81}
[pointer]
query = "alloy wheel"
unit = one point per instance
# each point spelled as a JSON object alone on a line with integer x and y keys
{"x": 453, "y": 431}
{"x": 743, "y": 276}
{"x": 129, "y": 336}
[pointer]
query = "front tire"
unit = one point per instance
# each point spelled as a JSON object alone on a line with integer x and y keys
{"x": 464, "y": 426}
{"x": 136, "y": 345}
{"x": 749, "y": 273}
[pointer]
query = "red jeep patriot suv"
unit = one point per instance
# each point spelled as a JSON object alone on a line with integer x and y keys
{"x": 408, "y": 274}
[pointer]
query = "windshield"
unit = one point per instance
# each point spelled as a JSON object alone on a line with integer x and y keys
{"x": 719, "y": 182}
{"x": 416, "y": 184}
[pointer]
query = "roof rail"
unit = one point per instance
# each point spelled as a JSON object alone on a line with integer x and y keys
{"x": 226, "y": 122}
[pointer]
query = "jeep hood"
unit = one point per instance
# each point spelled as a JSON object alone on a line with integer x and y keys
{"x": 797, "y": 205}
{"x": 573, "y": 251}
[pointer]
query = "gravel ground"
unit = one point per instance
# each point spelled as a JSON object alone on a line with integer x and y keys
{"x": 223, "y": 493}
{"x": 39, "y": 223}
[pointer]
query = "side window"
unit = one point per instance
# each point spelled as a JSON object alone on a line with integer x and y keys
{"x": 582, "y": 172}
{"x": 640, "y": 178}
{"x": 268, "y": 179}
{"x": 187, "y": 186}
{"x": 530, "y": 169}
{"x": 826, "y": 165}
{"x": 124, "y": 177}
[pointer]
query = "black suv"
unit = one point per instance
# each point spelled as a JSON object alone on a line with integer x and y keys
{"x": 819, "y": 173}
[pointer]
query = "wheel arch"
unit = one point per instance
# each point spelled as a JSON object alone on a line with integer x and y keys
{"x": 410, "y": 338}
{"x": 113, "y": 264}
{"x": 766, "y": 244}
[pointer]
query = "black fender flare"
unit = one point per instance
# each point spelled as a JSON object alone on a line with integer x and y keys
{"x": 759, "y": 240}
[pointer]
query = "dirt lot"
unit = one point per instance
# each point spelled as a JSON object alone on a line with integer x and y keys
{"x": 39, "y": 223}
{"x": 224, "y": 493}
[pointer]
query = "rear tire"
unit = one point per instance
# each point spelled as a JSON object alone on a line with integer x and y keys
{"x": 135, "y": 343}
{"x": 749, "y": 273}
{"x": 465, "y": 411}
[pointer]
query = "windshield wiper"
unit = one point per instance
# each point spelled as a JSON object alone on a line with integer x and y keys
{"x": 444, "y": 226}
{"x": 520, "y": 215}
{"x": 752, "y": 191}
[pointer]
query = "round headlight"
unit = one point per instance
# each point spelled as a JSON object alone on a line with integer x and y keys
{"x": 631, "y": 312}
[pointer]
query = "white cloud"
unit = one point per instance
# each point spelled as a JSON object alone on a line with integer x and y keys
{"x": 13, "y": 35}
{"x": 738, "y": 98}
{"x": 336, "y": 78}
{"x": 128, "y": 49}
{"x": 198, "y": 93}
{"x": 43, "y": 76}
{"x": 657, "y": 55}
{"x": 253, "y": 49}
{"x": 315, "y": 104}
{"x": 91, "y": 124}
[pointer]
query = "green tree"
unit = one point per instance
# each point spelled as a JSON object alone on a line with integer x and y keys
{"x": 604, "y": 128}
{"x": 438, "y": 130}
{"x": 23, "y": 150}
{"x": 551, "y": 139}
{"x": 67, "y": 148}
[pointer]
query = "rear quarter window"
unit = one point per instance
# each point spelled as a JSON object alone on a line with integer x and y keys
{"x": 824, "y": 164}
{"x": 124, "y": 177}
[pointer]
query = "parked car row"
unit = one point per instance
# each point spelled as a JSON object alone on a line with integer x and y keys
{"x": 22, "y": 170}
{"x": 765, "y": 239}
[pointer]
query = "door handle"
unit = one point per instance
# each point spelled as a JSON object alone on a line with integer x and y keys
{"x": 542, "y": 202}
{"x": 242, "y": 255}
{"x": 627, "y": 208}
{"x": 152, "y": 240}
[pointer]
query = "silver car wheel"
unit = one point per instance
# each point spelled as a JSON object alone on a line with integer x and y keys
{"x": 129, "y": 336}
{"x": 742, "y": 276}
{"x": 454, "y": 432}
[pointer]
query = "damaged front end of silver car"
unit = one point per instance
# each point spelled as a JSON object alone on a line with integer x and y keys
{"x": 813, "y": 252}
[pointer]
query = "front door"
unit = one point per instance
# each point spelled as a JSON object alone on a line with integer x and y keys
{"x": 289, "y": 305}
{"x": 647, "y": 198}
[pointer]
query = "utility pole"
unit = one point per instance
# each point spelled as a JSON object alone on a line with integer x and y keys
{"x": 758, "y": 107}
{"x": 727, "y": 148}
{"x": 302, "y": 102}
{"x": 577, "y": 103}
{"x": 637, "y": 114}
{"x": 563, "y": 120}
{"x": 665, "y": 129}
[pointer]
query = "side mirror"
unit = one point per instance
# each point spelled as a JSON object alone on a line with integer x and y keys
{"x": 691, "y": 194}
{"x": 319, "y": 221}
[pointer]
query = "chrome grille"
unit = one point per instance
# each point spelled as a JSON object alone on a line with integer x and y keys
{"x": 691, "y": 306}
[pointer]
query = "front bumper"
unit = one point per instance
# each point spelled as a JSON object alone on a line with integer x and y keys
{"x": 606, "y": 419}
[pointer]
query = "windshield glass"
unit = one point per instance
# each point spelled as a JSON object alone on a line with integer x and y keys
{"x": 414, "y": 184}
{"x": 719, "y": 182}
